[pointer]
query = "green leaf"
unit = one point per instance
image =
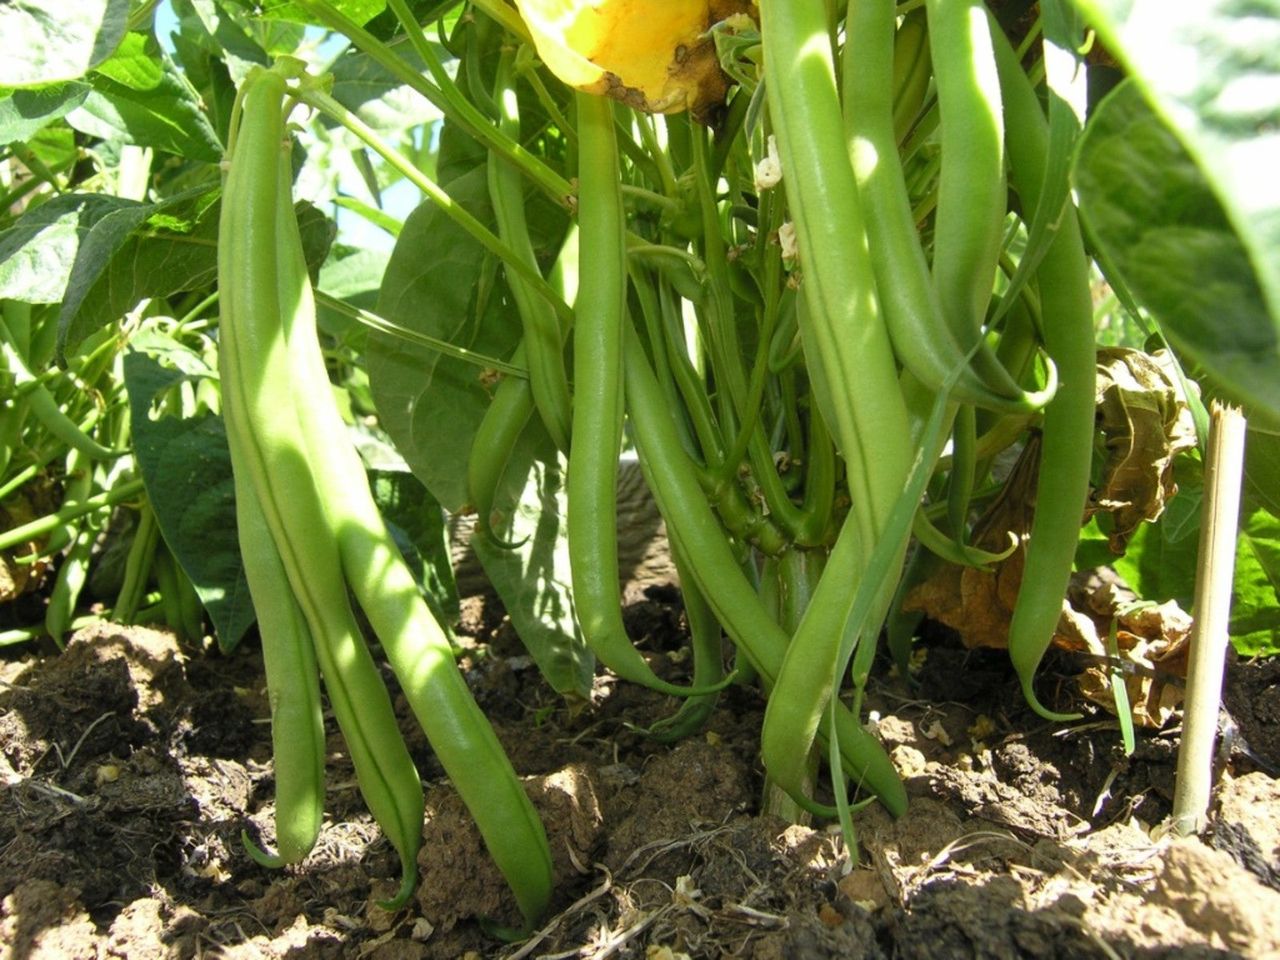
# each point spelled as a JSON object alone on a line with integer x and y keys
{"x": 361, "y": 11}
{"x": 206, "y": 28}
{"x": 1157, "y": 223}
{"x": 155, "y": 250}
{"x": 1160, "y": 560}
{"x": 533, "y": 580}
{"x": 167, "y": 115}
{"x": 418, "y": 523}
{"x": 186, "y": 467}
{"x": 429, "y": 404}
{"x": 353, "y": 276}
{"x": 25, "y": 112}
{"x": 1255, "y": 608}
{"x": 1211, "y": 69}
{"x": 1262, "y": 470}
{"x": 136, "y": 64}
{"x": 47, "y": 43}
{"x": 37, "y": 252}
{"x": 55, "y": 147}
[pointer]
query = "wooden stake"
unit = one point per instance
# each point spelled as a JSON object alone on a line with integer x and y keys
{"x": 1215, "y": 570}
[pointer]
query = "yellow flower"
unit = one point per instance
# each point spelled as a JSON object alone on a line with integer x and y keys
{"x": 654, "y": 55}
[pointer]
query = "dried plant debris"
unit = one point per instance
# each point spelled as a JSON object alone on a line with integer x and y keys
{"x": 1145, "y": 424}
{"x": 978, "y": 603}
{"x": 1151, "y": 649}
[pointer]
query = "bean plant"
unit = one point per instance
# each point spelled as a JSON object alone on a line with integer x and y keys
{"x": 819, "y": 267}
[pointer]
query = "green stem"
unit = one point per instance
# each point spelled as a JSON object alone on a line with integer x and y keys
{"x": 380, "y": 323}
{"x": 447, "y": 97}
{"x": 434, "y": 192}
{"x": 39, "y": 527}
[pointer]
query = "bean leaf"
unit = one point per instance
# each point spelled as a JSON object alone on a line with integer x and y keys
{"x": 186, "y": 467}
{"x": 48, "y": 43}
{"x": 1160, "y": 227}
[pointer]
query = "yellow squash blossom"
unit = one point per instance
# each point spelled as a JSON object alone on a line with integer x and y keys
{"x": 654, "y": 55}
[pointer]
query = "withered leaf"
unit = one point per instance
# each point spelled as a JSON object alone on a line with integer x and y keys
{"x": 1145, "y": 424}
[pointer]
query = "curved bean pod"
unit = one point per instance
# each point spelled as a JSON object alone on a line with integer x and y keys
{"x": 258, "y": 405}
{"x": 293, "y": 689}
{"x": 543, "y": 337}
{"x": 1067, "y": 315}
{"x": 700, "y": 538}
{"x": 413, "y": 641}
{"x": 598, "y": 403}
{"x": 913, "y": 303}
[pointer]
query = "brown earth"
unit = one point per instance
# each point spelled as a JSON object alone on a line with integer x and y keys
{"x": 129, "y": 766}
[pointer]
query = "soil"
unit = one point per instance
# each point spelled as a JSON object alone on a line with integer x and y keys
{"x": 129, "y": 767}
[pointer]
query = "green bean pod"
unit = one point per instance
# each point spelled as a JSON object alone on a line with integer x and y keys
{"x": 708, "y": 661}
{"x": 1062, "y": 487}
{"x": 137, "y": 567}
{"x": 852, "y": 369}
{"x": 700, "y": 538}
{"x": 415, "y": 644}
{"x": 543, "y": 338}
{"x": 969, "y": 223}
{"x": 73, "y": 573}
{"x": 79, "y": 486}
{"x": 509, "y": 411}
{"x": 912, "y": 71}
{"x": 807, "y": 677}
{"x": 191, "y": 609}
{"x": 598, "y": 403}
{"x": 165, "y": 570}
{"x": 258, "y": 406}
{"x": 913, "y": 304}
{"x": 293, "y": 689}
{"x": 495, "y": 439}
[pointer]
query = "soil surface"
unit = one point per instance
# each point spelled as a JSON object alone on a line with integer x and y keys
{"x": 129, "y": 767}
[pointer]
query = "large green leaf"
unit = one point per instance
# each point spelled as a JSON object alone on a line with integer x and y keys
{"x": 1262, "y": 470}
{"x": 1211, "y": 68}
{"x": 1161, "y": 228}
{"x": 37, "y": 252}
{"x": 440, "y": 282}
{"x": 534, "y": 580}
{"x": 53, "y": 42}
{"x": 155, "y": 250}
{"x": 429, "y": 404}
{"x": 143, "y": 98}
{"x": 25, "y": 112}
{"x": 186, "y": 467}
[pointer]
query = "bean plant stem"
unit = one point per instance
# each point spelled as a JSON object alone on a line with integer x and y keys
{"x": 39, "y": 527}
{"x": 451, "y": 208}
{"x": 447, "y": 98}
